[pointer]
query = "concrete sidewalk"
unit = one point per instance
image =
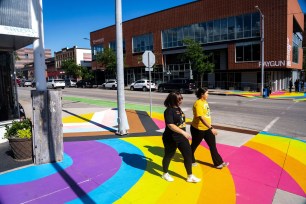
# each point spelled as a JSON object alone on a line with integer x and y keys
{"x": 99, "y": 167}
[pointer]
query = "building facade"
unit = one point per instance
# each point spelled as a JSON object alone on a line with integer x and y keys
{"x": 230, "y": 31}
{"x": 16, "y": 31}
{"x": 81, "y": 56}
{"x": 25, "y": 61}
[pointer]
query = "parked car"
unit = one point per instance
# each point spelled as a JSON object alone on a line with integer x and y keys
{"x": 56, "y": 83}
{"x": 110, "y": 84}
{"x": 70, "y": 82}
{"x": 26, "y": 83}
{"x": 142, "y": 84}
{"x": 181, "y": 85}
{"x": 84, "y": 84}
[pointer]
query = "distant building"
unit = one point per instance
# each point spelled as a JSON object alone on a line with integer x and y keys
{"x": 25, "y": 61}
{"x": 81, "y": 56}
{"x": 230, "y": 30}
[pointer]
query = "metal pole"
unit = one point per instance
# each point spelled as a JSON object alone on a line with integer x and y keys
{"x": 150, "y": 84}
{"x": 38, "y": 47}
{"x": 122, "y": 118}
{"x": 262, "y": 41}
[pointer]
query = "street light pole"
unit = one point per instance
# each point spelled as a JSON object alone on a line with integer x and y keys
{"x": 262, "y": 42}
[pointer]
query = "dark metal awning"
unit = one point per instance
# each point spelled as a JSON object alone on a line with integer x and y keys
{"x": 11, "y": 42}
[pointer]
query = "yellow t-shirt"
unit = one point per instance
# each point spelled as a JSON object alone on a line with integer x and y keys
{"x": 201, "y": 108}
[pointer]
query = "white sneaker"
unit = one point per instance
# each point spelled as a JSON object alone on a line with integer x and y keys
{"x": 194, "y": 164}
{"x": 167, "y": 177}
{"x": 224, "y": 164}
{"x": 192, "y": 179}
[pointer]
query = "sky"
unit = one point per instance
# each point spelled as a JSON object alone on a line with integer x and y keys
{"x": 68, "y": 22}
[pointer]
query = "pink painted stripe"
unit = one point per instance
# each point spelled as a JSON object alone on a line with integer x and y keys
{"x": 250, "y": 168}
{"x": 288, "y": 184}
{"x": 160, "y": 123}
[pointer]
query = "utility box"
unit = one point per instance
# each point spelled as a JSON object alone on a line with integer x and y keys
{"x": 47, "y": 126}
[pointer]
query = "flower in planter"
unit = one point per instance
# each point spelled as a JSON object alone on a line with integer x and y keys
{"x": 19, "y": 129}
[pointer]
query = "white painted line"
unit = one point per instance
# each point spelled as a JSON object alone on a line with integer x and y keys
{"x": 268, "y": 127}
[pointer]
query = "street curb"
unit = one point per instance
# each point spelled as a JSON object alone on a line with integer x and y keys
{"x": 233, "y": 129}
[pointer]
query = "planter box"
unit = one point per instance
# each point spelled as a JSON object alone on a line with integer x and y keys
{"x": 22, "y": 148}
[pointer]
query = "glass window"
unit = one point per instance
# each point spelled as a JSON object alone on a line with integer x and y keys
{"x": 216, "y": 30}
{"x": 210, "y": 31}
{"x": 239, "y": 53}
{"x": 239, "y": 27}
{"x": 95, "y": 50}
{"x": 180, "y": 36}
{"x": 223, "y": 29}
{"x": 142, "y": 43}
{"x": 235, "y": 27}
{"x": 231, "y": 28}
{"x": 113, "y": 46}
{"x": 247, "y": 25}
{"x": 246, "y": 52}
{"x": 256, "y": 52}
{"x": 255, "y": 24}
{"x": 297, "y": 42}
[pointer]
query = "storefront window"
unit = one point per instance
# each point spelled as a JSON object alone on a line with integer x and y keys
{"x": 8, "y": 93}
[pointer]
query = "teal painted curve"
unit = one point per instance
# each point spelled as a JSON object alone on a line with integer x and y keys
{"x": 33, "y": 173}
{"x": 134, "y": 164}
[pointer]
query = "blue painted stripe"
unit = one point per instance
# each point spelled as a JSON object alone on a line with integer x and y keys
{"x": 279, "y": 135}
{"x": 132, "y": 168}
{"x": 32, "y": 173}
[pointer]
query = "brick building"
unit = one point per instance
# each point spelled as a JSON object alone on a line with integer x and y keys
{"x": 25, "y": 61}
{"x": 230, "y": 30}
{"x": 81, "y": 56}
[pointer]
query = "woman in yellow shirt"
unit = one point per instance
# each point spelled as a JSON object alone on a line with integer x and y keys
{"x": 201, "y": 128}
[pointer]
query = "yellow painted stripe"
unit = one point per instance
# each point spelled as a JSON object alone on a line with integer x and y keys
{"x": 156, "y": 190}
{"x": 276, "y": 148}
{"x": 74, "y": 119}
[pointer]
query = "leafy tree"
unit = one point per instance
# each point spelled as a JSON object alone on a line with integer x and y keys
{"x": 72, "y": 69}
{"x": 108, "y": 59}
{"x": 198, "y": 59}
{"x": 87, "y": 74}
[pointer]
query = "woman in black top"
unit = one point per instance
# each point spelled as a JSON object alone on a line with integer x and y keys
{"x": 175, "y": 136}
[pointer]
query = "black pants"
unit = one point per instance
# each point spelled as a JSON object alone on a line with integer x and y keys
{"x": 210, "y": 139}
{"x": 171, "y": 143}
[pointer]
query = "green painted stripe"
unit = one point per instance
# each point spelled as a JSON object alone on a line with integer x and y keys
{"x": 112, "y": 104}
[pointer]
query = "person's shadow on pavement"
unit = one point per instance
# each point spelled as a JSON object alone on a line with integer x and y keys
{"x": 145, "y": 164}
{"x": 159, "y": 151}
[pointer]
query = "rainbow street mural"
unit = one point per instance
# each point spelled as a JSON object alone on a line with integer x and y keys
{"x": 128, "y": 170}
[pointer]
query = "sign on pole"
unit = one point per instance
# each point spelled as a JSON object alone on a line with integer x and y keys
{"x": 148, "y": 59}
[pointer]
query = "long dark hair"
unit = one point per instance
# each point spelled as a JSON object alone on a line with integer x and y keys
{"x": 172, "y": 99}
{"x": 200, "y": 92}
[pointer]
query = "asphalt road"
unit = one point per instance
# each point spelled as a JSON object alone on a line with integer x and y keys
{"x": 284, "y": 117}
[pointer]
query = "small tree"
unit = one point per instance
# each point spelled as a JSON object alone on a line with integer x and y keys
{"x": 108, "y": 59}
{"x": 87, "y": 74}
{"x": 72, "y": 69}
{"x": 198, "y": 59}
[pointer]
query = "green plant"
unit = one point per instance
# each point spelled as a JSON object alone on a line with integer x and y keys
{"x": 19, "y": 129}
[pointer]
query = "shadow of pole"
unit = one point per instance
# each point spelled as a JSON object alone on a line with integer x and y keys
{"x": 92, "y": 122}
